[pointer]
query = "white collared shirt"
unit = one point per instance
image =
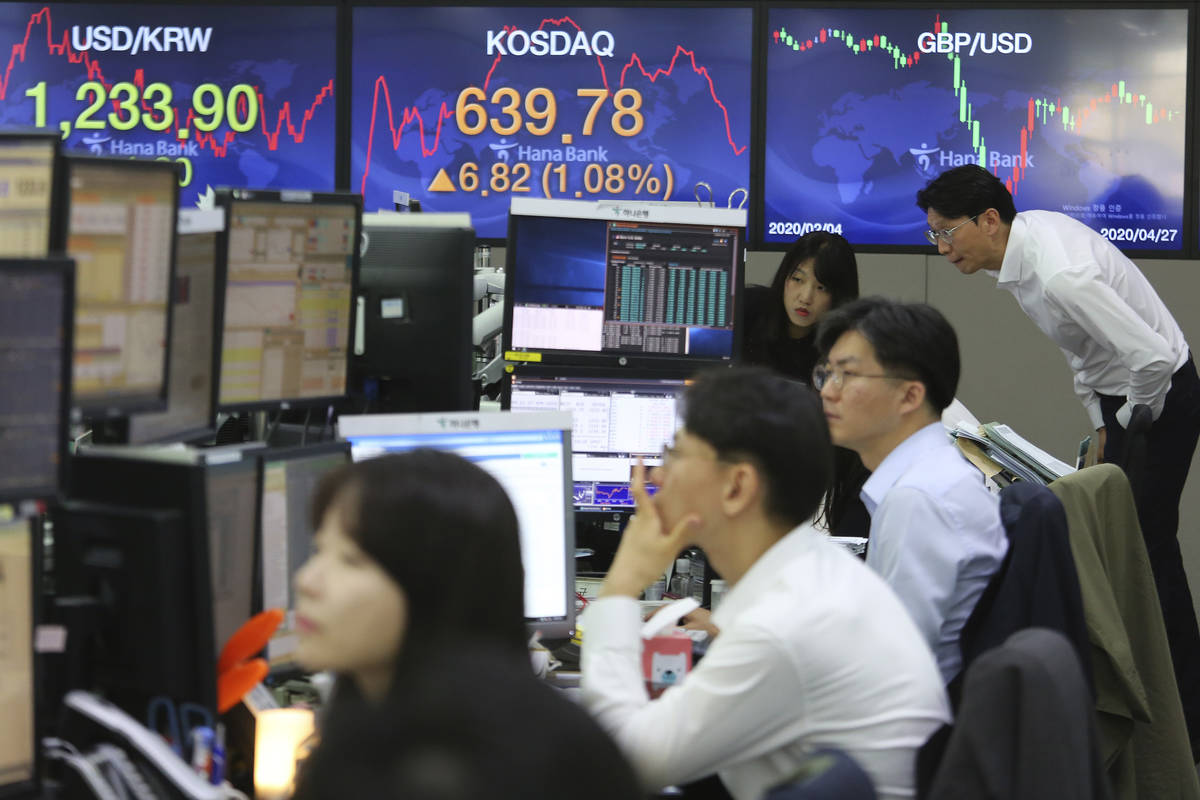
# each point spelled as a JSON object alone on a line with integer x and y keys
{"x": 814, "y": 651}
{"x": 936, "y": 536}
{"x": 1097, "y": 306}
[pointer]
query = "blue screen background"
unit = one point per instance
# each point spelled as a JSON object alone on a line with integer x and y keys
{"x": 419, "y": 59}
{"x": 293, "y": 69}
{"x": 852, "y": 148}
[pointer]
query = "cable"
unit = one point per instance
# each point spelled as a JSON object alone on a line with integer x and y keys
{"x": 271, "y": 426}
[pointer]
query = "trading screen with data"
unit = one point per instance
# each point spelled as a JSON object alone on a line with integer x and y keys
{"x": 289, "y": 274}
{"x": 26, "y": 192}
{"x": 35, "y": 351}
{"x": 615, "y": 422}
{"x": 636, "y": 280}
{"x": 121, "y": 233}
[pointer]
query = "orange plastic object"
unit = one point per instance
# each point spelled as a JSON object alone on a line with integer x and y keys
{"x": 249, "y": 639}
{"x": 233, "y": 684}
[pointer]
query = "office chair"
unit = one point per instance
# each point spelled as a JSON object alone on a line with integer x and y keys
{"x": 827, "y": 774}
{"x": 1036, "y": 584}
{"x": 1026, "y": 728}
{"x": 1143, "y": 736}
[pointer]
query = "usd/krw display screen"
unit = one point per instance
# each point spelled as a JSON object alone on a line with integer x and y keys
{"x": 464, "y": 108}
{"x": 199, "y": 84}
{"x": 1078, "y": 110}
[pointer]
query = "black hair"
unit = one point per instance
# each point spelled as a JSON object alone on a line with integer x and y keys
{"x": 967, "y": 191}
{"x": 911, "y": 340}
{"x": 446, "y": 532}
{"x": 775, "y": 423}
{"x": 834, "y": 267}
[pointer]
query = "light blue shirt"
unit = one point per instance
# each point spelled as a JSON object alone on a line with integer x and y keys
{"x": 936, "y": 536}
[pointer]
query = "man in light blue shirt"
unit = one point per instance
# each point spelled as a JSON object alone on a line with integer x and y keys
{"x": 936, "y": 537}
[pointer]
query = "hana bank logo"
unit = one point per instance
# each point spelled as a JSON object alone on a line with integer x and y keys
{"x": 930, "y": 161}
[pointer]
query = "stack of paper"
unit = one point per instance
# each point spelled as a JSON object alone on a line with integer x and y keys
{"x": 1044, "y": 464}
{"x": 1014, "y": 466}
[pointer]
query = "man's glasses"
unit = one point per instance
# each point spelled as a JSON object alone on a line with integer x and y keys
{"x": 946, "y": 234}
{"x": 837, "y": 377}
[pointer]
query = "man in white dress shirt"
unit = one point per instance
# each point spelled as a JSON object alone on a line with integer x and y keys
{"x": 1121, "y": 343}
{"x": 814, "y": 651}
{"x": 889, "y": 371}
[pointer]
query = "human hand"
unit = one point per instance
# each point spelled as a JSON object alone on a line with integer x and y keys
{"x": 646, "y": 550}
{"x": 701, "y": 620}
{"x": 1101, "y": 436}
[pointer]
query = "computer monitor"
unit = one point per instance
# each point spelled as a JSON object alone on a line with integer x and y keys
{"x": 215, "y": 493}
{"x": 37, "y": 307}
{"x": 287, "y": 479}
{"x": 121, "y": 233}
{"x": 616, "y": 419}
{"x": 147, "y": 631}
{"x": 190, "y": 391}
{"x": 412, "y": 344}
{"x": 529, "y": 455}
{"x": 231, "y": 499}
{"x": 30, "y": 225}
{"x": 623, "y": 283}
{"x": 289, "y": 264}
{"x": 20, "y": 687}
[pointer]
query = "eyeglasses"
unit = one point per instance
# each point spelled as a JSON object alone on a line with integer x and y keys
{"x": 825, "y": 374}
{"x": 946, "y": 234}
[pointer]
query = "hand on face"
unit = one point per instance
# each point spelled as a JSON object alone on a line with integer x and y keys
{"x": 646, "y": 549}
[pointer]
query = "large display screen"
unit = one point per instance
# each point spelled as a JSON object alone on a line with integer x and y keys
{"x": 1080, "y": 111}
{"x": 203, "y": 85}
{"x": 464, "y": 108}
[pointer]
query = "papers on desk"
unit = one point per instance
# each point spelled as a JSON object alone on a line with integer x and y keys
{"x": 1013, "y": 453}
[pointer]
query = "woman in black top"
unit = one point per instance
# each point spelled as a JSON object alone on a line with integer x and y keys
{"x": 818, "y": 273}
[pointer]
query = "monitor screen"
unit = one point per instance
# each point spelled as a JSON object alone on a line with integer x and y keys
{"x": 494, "y": 102}
{"x": 289, "y": 263}
{"x": 616, "y": 420}
{"x": 36, "y": 318}
{"x": 18, "y": 688}
{"x": 27, "y": 185}
{"x": 416, "y": 304}
{"x": 235, "y": 95}
{"x": 231, "y": 508}
{"x": 596, "y": 282}
{"x": 529, "y": 455}
{"x": 208, "y": 561}
{"x": 289, "y": 477}
{"x": 1078, "y": 110}
{"x": 121, "y": 233}
{"x": 189, "y": 413}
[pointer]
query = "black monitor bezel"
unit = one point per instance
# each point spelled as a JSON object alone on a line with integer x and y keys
{"x": 65, "y": 267}
{"x": 126, "y": 479}
{"x": 636, "y": 361}
{"x": 225, "y": 198}
{"x": 56, "y": 238}
{"x": 404, "y": 280}
{"x": 123, "y": 406}
{"x": 32, "y": 786}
